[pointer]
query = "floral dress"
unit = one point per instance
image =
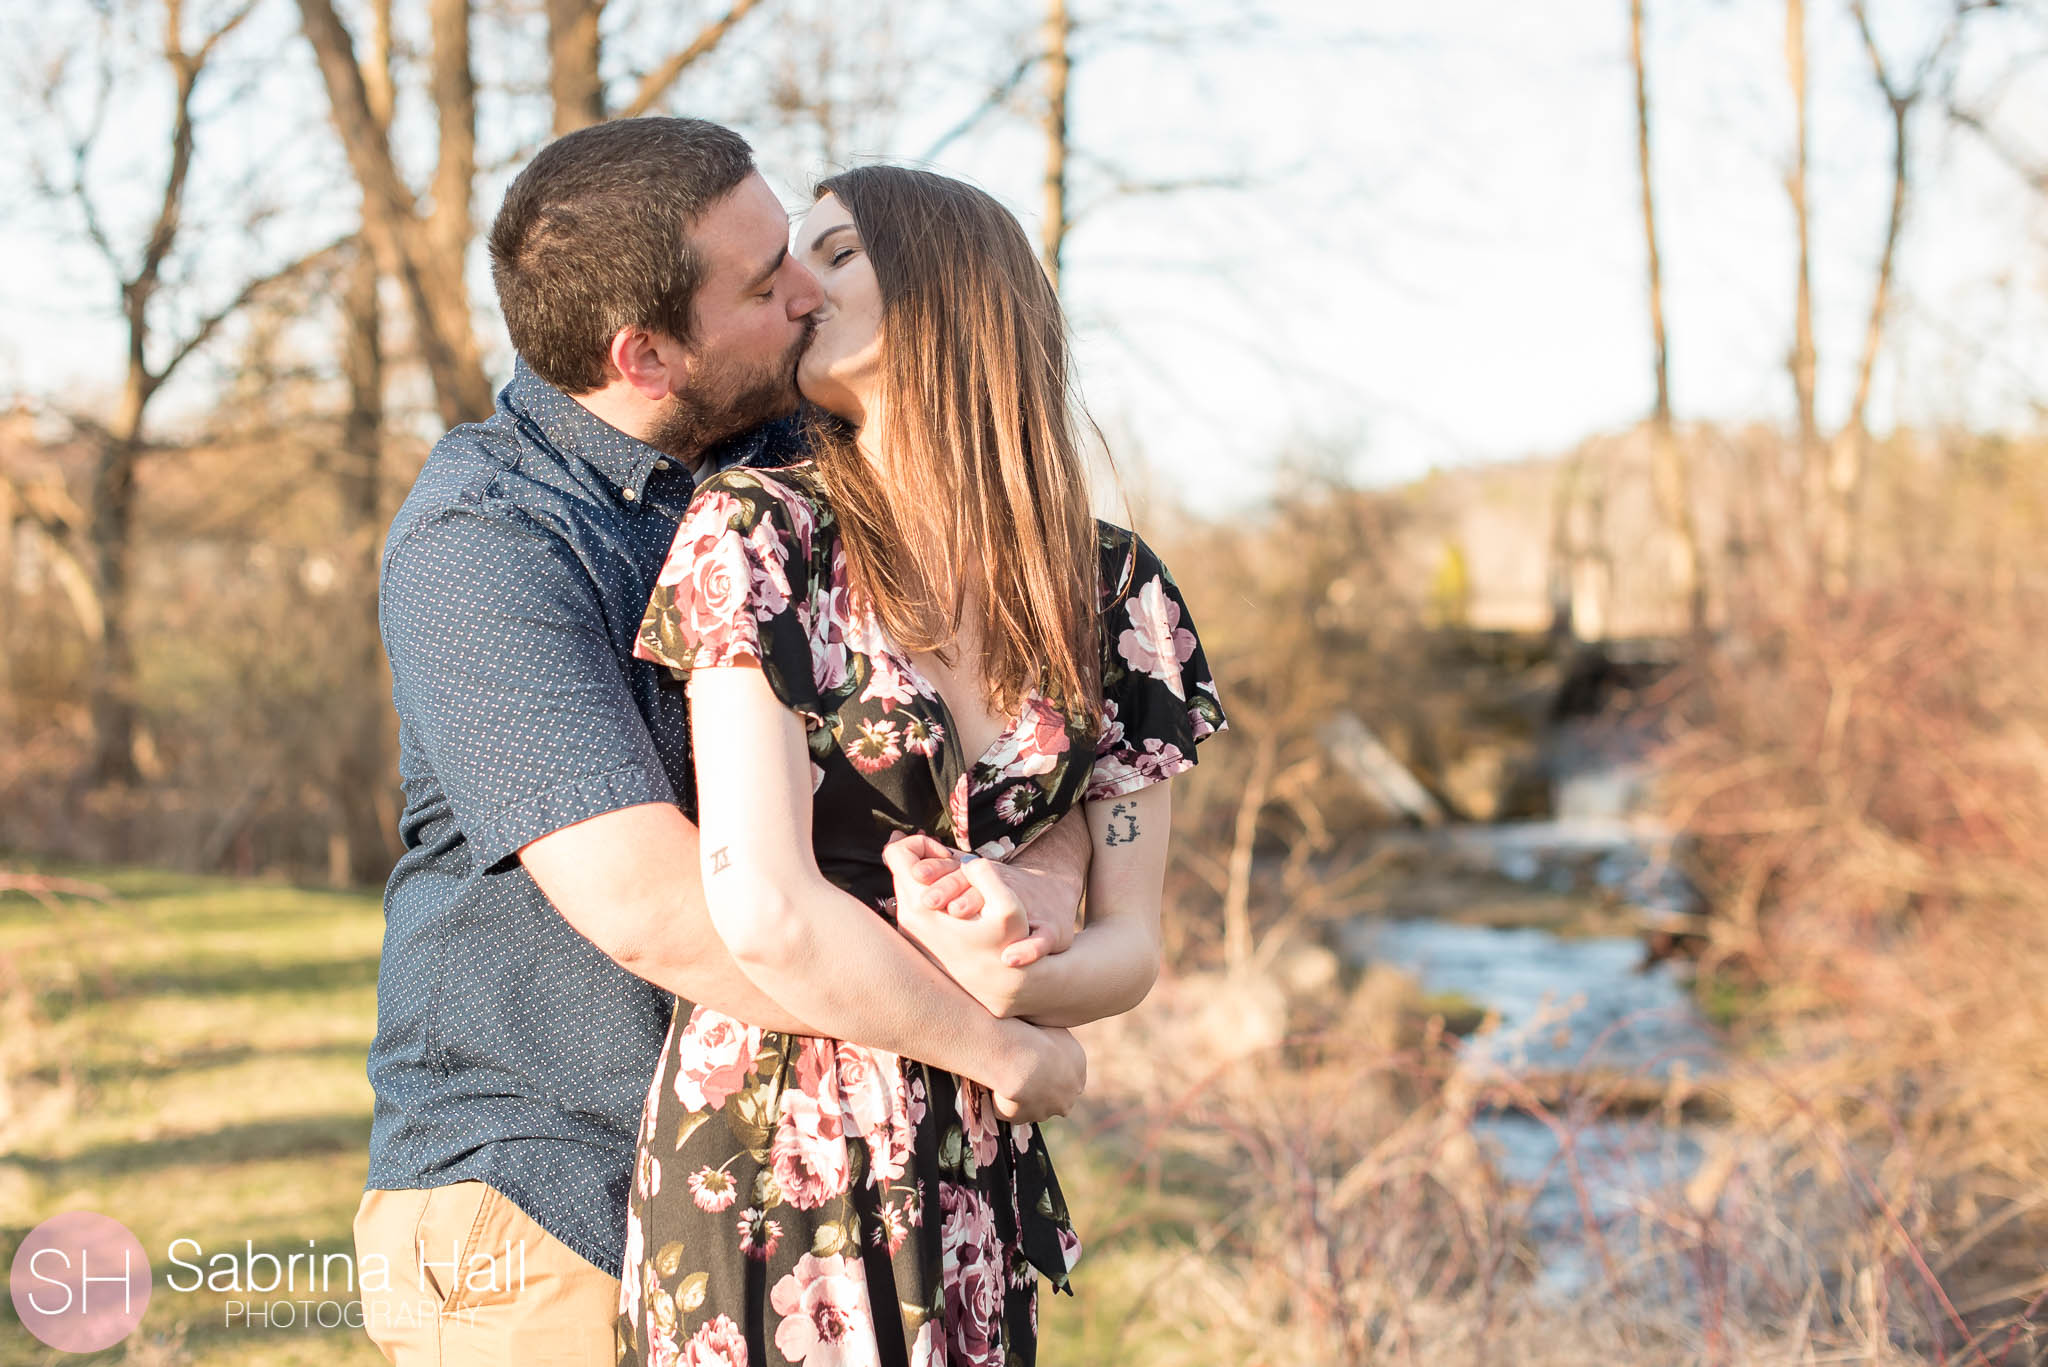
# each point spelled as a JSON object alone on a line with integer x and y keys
{"x": 800, "y": 1200}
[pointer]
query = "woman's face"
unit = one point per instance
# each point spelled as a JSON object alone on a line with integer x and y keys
{"x": 841, "y": 369}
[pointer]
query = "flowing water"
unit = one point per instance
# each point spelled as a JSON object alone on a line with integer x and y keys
{"x": 1568, "y": 1004}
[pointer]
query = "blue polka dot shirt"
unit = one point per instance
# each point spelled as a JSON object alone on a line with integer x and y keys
{"x": 509, "y": 1049}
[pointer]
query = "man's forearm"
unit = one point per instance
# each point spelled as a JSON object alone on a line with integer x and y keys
{"x": 629, "y": 882}
{"x": 681, "y": 953}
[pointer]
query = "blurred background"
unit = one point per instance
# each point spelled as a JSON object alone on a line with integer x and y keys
{"x": 1602, "y": 445}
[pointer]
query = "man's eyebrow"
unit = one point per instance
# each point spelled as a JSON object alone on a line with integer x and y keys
{"x": 819, "y": 240}
{"x": 773, "y": 266}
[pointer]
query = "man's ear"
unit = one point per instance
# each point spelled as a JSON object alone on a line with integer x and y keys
{"x": 653, "y": 363}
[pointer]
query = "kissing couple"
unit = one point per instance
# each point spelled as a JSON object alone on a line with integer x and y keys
{"x": 786, "y": 753}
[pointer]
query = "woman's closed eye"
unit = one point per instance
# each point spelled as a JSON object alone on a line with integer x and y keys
{"x": 840, "y": 256}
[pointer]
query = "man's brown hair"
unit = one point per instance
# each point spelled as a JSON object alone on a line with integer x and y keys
{"x": 593, "y": 236}
{"x": 986, "y": 493}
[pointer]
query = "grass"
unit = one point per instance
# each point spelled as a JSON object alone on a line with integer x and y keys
{"x": 188, "y": 1058}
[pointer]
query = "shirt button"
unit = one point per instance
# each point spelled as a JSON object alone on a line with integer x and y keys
{"x": 629, "y": 494}
{"x": 661, "y": 465}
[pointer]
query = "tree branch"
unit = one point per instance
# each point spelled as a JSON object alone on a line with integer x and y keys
{"x": 211, "y": 323}
{"x": 994, "y": 100}
{"x": 655, "y": 84}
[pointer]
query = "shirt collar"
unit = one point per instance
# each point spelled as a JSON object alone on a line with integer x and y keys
{"x": 573, "y": 430}
{"x": 625, "y": 461}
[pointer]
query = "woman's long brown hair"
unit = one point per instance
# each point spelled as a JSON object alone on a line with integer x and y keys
{"x": 981, "y": 443}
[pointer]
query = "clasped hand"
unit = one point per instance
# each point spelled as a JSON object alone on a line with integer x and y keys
{"x": 982, "y": 921}
{"x": 985, "y": 923}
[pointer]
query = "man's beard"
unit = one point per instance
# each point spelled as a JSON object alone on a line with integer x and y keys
{"x": 721, "y": 402}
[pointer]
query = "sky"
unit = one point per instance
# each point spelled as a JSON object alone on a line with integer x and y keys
{"x": 1410, "y": 233}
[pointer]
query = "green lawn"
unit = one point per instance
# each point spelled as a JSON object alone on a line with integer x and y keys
{"x": 188, "y": 1059}
{"x": 190, "y": 1063}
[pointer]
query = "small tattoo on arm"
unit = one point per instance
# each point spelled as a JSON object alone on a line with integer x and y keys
{"x": 720, "y": 860}
{"x": 1127, "y": 812}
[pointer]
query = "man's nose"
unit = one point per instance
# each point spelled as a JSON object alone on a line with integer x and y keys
{"x": 805, "y": 294}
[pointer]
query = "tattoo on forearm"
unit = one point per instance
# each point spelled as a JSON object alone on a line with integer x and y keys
{"x": 720, "y": 860}
{"x": 1126, "y": 812}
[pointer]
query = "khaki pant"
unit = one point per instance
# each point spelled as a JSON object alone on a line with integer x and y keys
{"x": 493, "y": 1288}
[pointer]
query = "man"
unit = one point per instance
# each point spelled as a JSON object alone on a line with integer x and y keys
{"x": 548, "y": 910}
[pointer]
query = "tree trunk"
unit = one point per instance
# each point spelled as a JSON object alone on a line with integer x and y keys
{"x": 573, "y": 53}
{"x": 367, "y": 815}
{"x": 1670, "y": 477}
{"x": 426, "y": 257}
{"x": 1059, "y": 29}
{"x": 111, "y": 692}
{"x": 1803, "y": 362}
{"x": 1847, "y": 453}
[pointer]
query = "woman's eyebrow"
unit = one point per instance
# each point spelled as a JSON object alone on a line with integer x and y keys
{"x": 819, "y": 240}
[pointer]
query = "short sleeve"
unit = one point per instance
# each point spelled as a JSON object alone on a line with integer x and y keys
{"x": 1158, "y": 699}
{"x": 504, "y": 672}
{"x": 736, "y": 588}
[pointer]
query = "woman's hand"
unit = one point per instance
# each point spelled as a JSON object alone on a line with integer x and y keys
{"x": 984, "y": 951}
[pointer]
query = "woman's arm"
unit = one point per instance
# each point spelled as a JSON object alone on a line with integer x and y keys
{"x": 1114, "y": 959}
{"x": 822, "y": 954}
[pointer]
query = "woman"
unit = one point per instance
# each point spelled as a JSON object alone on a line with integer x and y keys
{"x": 929, "y": 591}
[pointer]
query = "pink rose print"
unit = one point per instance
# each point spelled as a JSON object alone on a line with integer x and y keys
{"x": 717, "y": 1344}
{"x": 1070, "y": 1247}
{"x": 956, "y": 809}
{"x": 1112, "y": 733}
{"x": 770, "y": 582}
{"x": 971, "y": 1258}
{"x": 809, "y": 1152}
{"x": 978, "y": 1118}
{"x": 647, "y": 1173}
{"x": 825, "y": 1317}
{"x": 1156, "y": 643}
{"x": 926, "y": 1352}
{"x": 795, "y": 506}
{"x": 713, "y": 1059}
{"x": 661, "y": 1346}
{"x": 888, "y": 684}
{"x": 1130, "y": 770}
{"x": 707, "y": 522}
{"x": 1002, "y": 847}
{"x": 827, "y": 632}
{"x": 876, "y": 1097}
{"x": 917, "y": 1097}
{"x": 711, "y": 602}
{"x": 1034, "y": 743}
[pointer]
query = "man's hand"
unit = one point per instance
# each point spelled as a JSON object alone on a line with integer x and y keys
{"x": 1051, "y": 1073}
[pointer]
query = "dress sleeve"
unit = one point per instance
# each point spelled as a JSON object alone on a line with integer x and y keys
{"x": 736, "y": 588}
{"x": 1158, "y": 700}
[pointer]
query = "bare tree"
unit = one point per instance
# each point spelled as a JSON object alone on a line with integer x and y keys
{"x": 364, "y": 830}
{"x": 1802, "y": 360}
{"x": 1669, "y": 471}
{"x": 1847, "y": 452}
{"x": 576, "y": 49}
{"x": 1059, "y": 30}
{"x": 159, "y": 341}
{"x": 423, "y": 252}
